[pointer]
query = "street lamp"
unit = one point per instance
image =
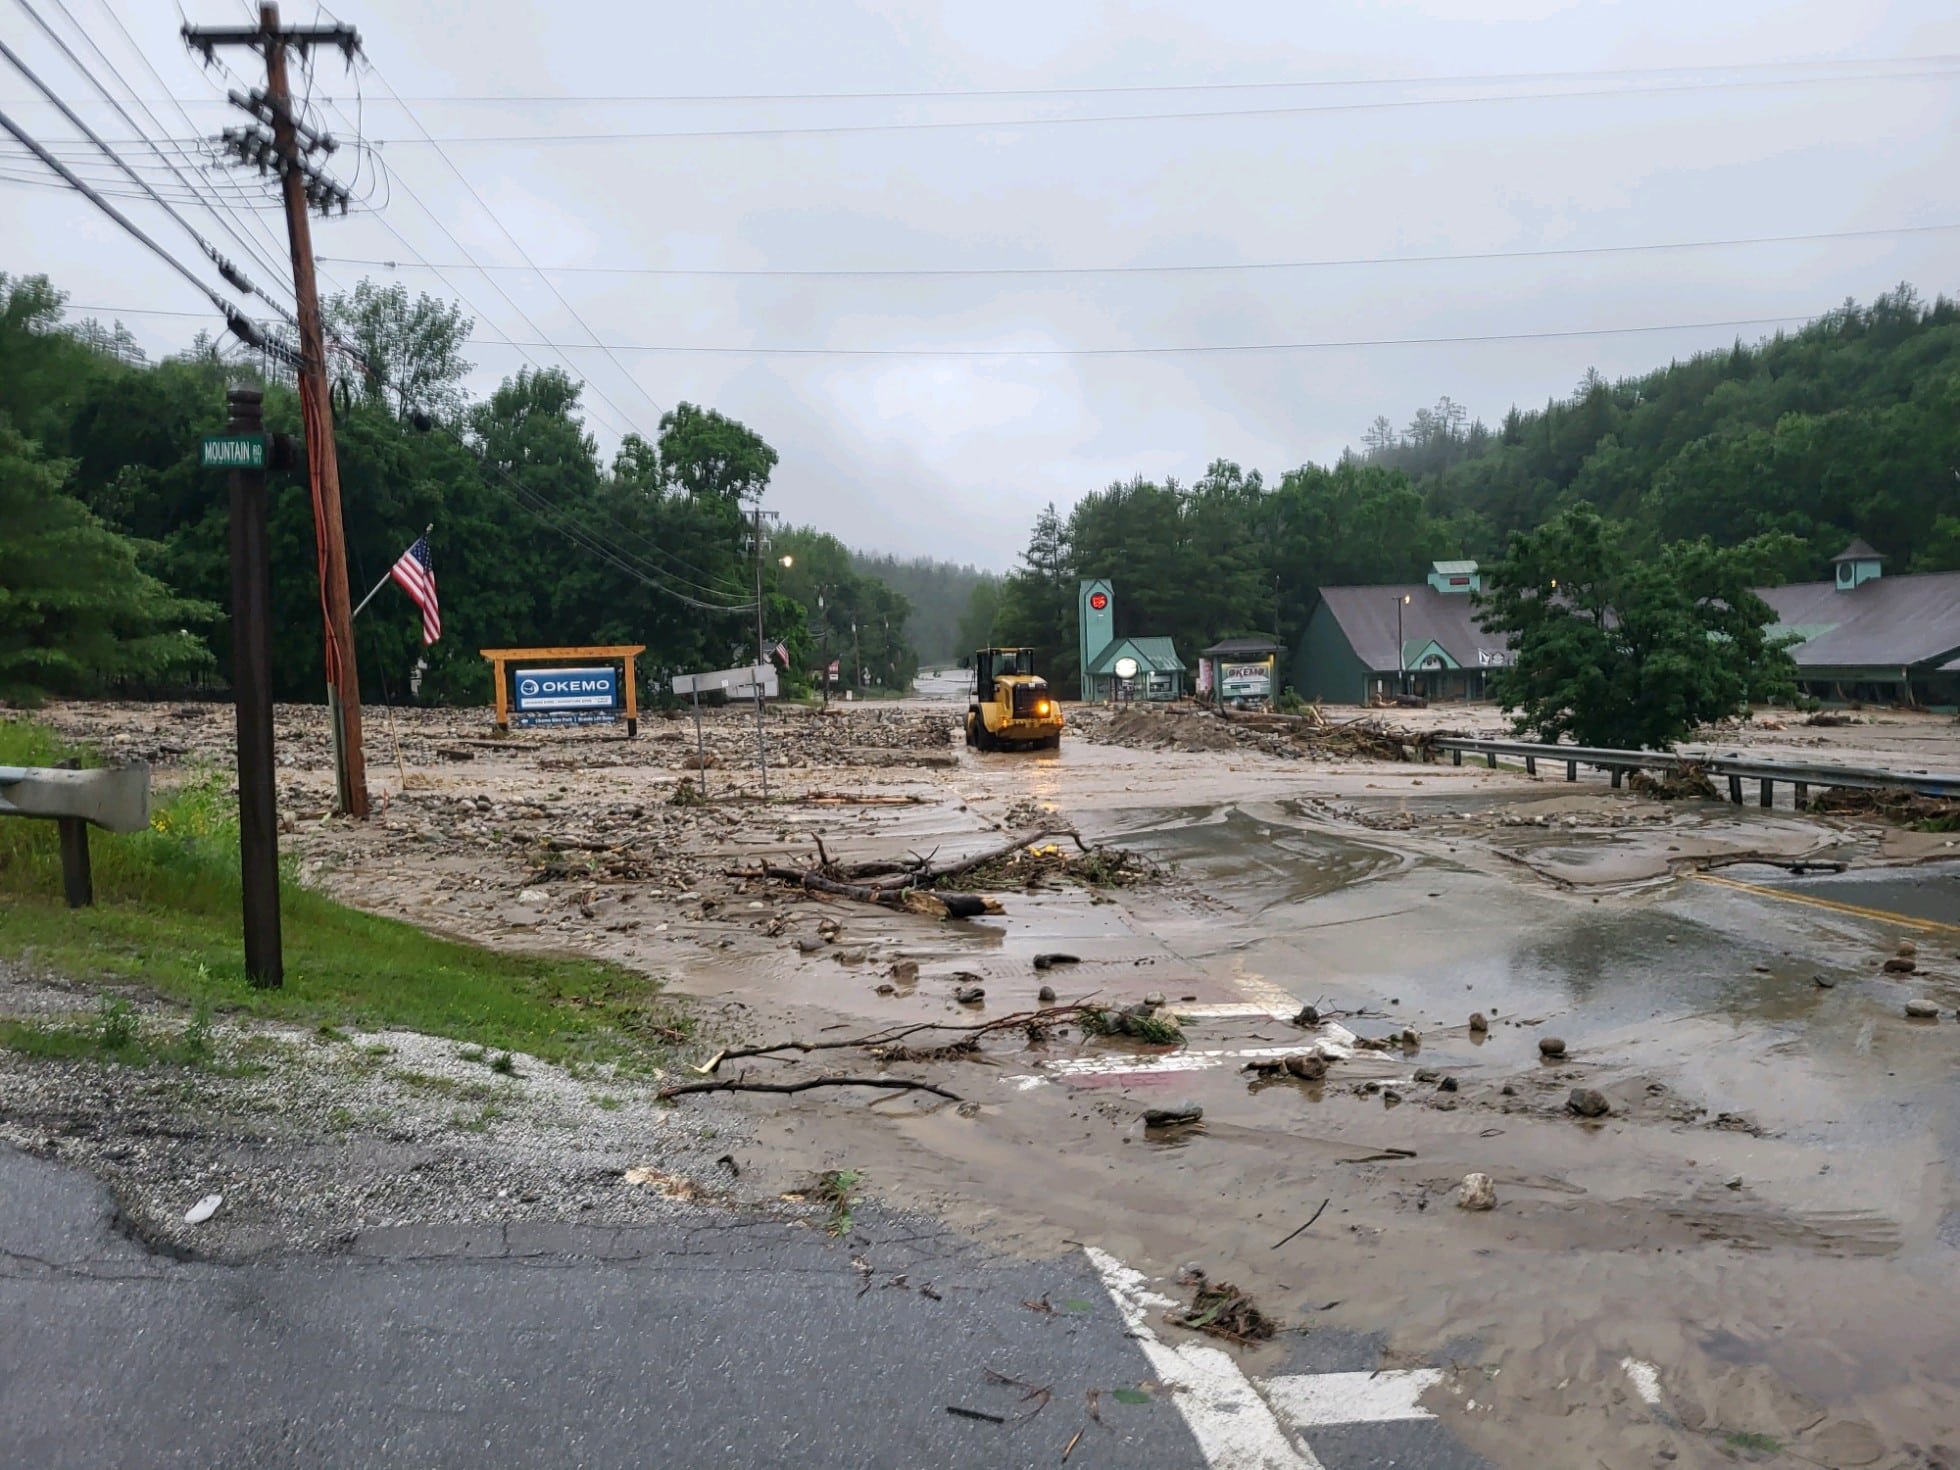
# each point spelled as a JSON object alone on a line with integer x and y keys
{"x": 1401, "y": 648}
{"x": 789, "y": 561}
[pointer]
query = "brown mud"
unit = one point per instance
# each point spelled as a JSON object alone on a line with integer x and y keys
{"x": 1768, "y": 1215}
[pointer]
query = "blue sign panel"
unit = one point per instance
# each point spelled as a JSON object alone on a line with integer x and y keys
{"x": 566, "y": 689}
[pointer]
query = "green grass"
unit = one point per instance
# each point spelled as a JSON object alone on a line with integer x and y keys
{"x": 1755, "y": 1443}
{"x": 166, "y": 917}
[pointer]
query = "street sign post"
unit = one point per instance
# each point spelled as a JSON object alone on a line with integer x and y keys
{"x": 231, "y": 452}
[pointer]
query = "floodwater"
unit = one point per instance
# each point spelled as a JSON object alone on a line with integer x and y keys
{"x": 1768, "y": 1215}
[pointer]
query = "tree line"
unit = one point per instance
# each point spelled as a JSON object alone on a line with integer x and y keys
{"x": 1789, "y": 447}
{"x": 114, "y": 567}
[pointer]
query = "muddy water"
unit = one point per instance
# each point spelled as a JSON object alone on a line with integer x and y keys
{"x": 1768, "y": 1215}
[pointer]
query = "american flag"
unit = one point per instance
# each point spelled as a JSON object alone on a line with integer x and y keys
{"x": 781, "y": 654}
{"x": 418, "y": 579}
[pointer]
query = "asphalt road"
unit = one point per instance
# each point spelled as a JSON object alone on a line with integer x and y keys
{"x": 718, "y": 1345}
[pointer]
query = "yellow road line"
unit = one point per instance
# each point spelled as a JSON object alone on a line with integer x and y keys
{"x": 1883, "y": 916}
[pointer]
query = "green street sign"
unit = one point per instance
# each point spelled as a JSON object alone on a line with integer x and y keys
{"x": 232, "y": 452}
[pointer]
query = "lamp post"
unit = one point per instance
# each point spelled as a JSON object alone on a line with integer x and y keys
{"x": 1401, "y": 648}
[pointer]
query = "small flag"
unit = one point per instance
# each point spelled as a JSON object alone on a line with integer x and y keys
{"x": 781, "y": 652}
{"x": 833, "y": 668}
{"x": 418, "y": 579}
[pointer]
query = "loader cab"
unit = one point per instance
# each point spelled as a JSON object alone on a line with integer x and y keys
{"x": 991, "y": 664}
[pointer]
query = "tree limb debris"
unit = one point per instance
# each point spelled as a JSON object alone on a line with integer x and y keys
{"x": 742, "y": 1084}
{"x": 1035, "y": 1023}
{"x": 903, "y": 884}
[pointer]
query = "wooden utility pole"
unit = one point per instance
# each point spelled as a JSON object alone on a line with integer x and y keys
{"x": 251, "y": 686}
{"x": 302, "y": 187}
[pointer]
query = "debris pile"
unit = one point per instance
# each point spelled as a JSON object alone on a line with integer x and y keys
{"x": 1687, "y": 782}
{"x": 1287, "y": 737}
{"x": 1890, "y": 804}
{"x": 1220, "y": 1309}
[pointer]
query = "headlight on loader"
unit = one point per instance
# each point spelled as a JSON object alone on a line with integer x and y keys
{"x": 1041, "y": 707}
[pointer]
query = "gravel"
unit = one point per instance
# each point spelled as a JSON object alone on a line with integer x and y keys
{"x": 313, "y": 1139}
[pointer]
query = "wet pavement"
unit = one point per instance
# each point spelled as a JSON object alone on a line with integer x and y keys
{"x": 699, "y": 1345}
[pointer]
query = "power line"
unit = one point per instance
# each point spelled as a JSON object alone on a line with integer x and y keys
{"x": 1175, "y": 350}
{"x": 1161, "y": 88}
{"x": 960, "y": 272}
{"x": 231, "y": 273}
{"x": 517, "y": 245}
{"x": 225, "y": 216}
{"x": 236, "y": 319}
{"x": 1010, "y": 124}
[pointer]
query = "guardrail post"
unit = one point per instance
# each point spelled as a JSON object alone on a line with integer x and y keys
{"x": 1619, "y": 775}
{"x": 1490, "y": 759}
{"x": 1571, "y": 770}
{"x": 1456, "y": 757}
{"x": 1735, "y": 790}
{"x": 1531, "y": 765}
{"x": 77, "y": 881}
{"x": 1801, "y": 794}
{"x": 1768, "y": 786}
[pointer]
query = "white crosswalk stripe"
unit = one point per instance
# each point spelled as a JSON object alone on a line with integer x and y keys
{"x": 1242, "y": 1423}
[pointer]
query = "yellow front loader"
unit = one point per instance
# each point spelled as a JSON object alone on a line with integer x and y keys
{"x": 1012, "y": 708}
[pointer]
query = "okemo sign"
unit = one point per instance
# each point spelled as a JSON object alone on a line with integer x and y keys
{"x": 565, "y": 689}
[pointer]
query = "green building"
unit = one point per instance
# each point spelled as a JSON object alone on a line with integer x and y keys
{"x": 1121, "y": 667}
{"x": 1419, "y": 637}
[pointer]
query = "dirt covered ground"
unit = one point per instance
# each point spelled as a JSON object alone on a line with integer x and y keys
{"x": 1759, "y": 1205}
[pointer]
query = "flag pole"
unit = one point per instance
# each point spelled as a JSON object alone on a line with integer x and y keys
{"x": 386, "y": 578}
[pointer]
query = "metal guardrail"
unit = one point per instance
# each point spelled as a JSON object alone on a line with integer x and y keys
{"x": 1800, "y": 775}
{"x": 116, "y": 800}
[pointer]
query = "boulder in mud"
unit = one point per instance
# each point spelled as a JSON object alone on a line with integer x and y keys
{"x": 1588, "y": 1102}
{"x": 1049, "y": 961}
{"x": 1552, "y": 1048}
{"x": 1476, "y": 1193}
{"x": 1901, "y": 964}
{"x": 1479, "y": 1023}
{"x": 1046, "y": 995}
{"x": 1178, "y": 1115}
{"x": 1922, "y": 1009}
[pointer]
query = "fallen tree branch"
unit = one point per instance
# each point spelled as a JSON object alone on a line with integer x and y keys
{"x": 1047, "y": 1016}
{"x": 742, "y": 1084}
{"x": 889, "y": 883}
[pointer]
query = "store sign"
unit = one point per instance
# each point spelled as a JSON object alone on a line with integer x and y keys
{"x": 566, "y": 689}
{"x": 1246, "y": 681}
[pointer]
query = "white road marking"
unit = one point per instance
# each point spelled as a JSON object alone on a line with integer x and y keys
{"x": 1233, "y": 1426}
{"x": 1237, "y": 1010}
{"x": 1334, "y": 1042}
{"x": 1646, "y": 1380}
{"x": 1308, "y": 1400}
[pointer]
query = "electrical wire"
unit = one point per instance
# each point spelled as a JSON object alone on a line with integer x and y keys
{"x": 1135, "y": 88}
{"x": 234, "y": 318}
{"x": 883, "y": 273}
{"x": 231, "y": 273}
{"x": 226, "y": 217}
{"x": 516, "y": 244}
{"x": 1223, "y": 348}
{"x": 1209, "y": 114}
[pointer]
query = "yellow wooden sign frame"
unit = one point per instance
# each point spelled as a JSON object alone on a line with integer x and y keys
{"x": 502, "y": 658}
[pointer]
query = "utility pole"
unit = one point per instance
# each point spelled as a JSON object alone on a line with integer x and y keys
{"x": 857, "y": 660}
{"x": 303, "y": 187}
{"x": 761, "y": 743}
{"x": 251, "y": 684}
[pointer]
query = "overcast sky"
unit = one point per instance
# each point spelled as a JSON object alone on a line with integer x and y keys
{"x": 1349, "y": 161}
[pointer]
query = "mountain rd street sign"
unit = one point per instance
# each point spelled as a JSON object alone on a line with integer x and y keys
{"x": 232, "y": 452}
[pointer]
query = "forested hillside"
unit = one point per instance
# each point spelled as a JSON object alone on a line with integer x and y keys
{"x": 1848, "y": 427}
{"x": 939, "y": 593}
{"x": 114, "y": 571}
